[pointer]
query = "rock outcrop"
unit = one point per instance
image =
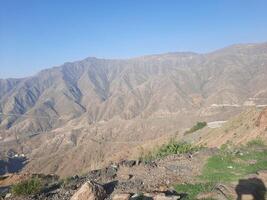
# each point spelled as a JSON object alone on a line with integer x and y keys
{"x": 90, "y": 191}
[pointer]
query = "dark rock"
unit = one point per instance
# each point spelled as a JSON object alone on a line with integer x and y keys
{"x": 4, "y": 191}
{"x": 111, "y": 171}
{"x": 94, "y": 175}
{"x": 51, "y": 187}
{"x": 129, "y": 163}
{"x": 131, "y": 185}
{"x": 110, "y": 187}
{"x": 151, "y": 164}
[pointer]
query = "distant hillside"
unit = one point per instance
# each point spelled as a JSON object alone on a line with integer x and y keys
{"x": 248, "y": 125}
{"x": 85, "y": 111}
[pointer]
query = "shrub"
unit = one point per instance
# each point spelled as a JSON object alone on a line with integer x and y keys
{"x": 27, "y": 187}
{"x": 67, "y": 181}
{"x": 256, "y": 142}
{"x": 172, "y": 147}
{"x": 192, "y": 190}
{"x": 197, "y": 126}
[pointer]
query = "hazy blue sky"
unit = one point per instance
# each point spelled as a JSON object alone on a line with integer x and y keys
{"x": 37, "y": 34}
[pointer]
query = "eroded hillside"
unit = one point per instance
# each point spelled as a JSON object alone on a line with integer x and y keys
{"x": 88, "y": 111}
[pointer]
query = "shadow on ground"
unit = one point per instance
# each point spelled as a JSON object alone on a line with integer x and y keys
{"x": 12, "y": 165}
{"x": 252, "y": 186}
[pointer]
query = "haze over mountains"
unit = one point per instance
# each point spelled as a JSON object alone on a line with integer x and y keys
{"x": 86, "y": 111}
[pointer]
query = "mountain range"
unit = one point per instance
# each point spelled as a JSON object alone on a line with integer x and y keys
{"x": 83, "y": 114}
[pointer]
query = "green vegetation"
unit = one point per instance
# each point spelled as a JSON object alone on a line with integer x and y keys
{"x": 172, "y": 147}
{"x": 258, "y": 142}
{"x": 192, "y": 190}
{"x": 232, "y": 164}
{"x": 28, "y": 187}
{"x": 65, "y": 181}
{"x": 198, "y": 126}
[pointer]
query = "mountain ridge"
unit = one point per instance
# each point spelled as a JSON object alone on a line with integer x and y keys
{"x": 121, "y": 100}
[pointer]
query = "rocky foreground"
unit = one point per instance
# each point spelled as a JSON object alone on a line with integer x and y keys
{"x": 131, "y": 179}
{"x": 125, "y": 179}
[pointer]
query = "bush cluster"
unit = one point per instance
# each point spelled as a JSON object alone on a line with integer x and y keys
{"x": 171, "y": 148}
{"x": 197, "y": 126}
{"x": 27, "y": 187}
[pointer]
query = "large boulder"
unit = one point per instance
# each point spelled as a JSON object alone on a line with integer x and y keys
{"x": 90, "y": 191}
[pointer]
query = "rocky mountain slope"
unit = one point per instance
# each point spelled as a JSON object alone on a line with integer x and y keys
{"x": 86, "y": 111}
{"x": 240, "y": 129}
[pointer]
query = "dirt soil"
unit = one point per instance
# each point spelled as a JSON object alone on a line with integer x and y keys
{"x": 130, "y": 176}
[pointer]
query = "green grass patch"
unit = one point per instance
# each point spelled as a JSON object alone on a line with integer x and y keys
{"x": 258, "y": 142}
{"x": 230, "y": 164}
{"x": 233, "y": 164}
{"x": 66, "y": 181}
{"x": 171, "y": 148}
{"x": 192, "y": 190}
{"x": 197, "y": 126}
{"x": 27, "y": 187}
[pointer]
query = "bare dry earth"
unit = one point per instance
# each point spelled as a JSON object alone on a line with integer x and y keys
{"x": 250, "y": 124}
{"x": 84, "y": 114}
{"x": 238, "y": 130}
{"x": 158, "y": 176}
{"x": 161, "y": 174}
